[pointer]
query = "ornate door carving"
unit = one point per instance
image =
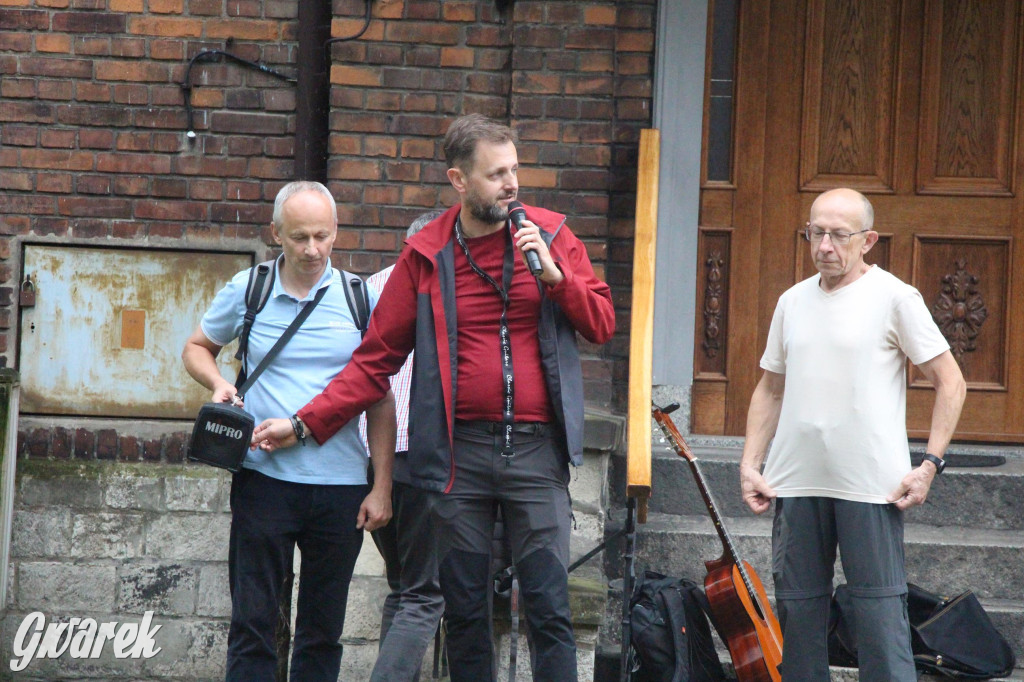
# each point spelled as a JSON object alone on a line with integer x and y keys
{"x": 916, "y": 103}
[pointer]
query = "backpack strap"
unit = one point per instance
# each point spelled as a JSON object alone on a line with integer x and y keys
{"x": 676, "y": 611}
{"x": 257, "y": 291}
{"x": 358, "y": 298}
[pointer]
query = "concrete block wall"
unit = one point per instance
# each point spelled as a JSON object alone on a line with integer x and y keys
{"x": 113, "y": 540}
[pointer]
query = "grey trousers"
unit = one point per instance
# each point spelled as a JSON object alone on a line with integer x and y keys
{"x": 805, "y": 535}
{"x": 532, "y": 491}
{"x": 414, "y": 606}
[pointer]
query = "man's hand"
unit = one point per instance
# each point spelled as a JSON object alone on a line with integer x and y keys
{"x": 913, "y": 489}
{"x": 273, "y": 434}
{"x": 528, "y": 239}
{"x": 756, "y": 492}
{"x": 375, "y": 511}
{"x": 225, "y": 392}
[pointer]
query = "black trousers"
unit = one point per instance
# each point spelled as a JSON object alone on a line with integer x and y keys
{"x": 532, "y": 492}
{"x": 269, "y": 518}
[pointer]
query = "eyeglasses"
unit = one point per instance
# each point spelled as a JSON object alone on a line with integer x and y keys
{"x": 838, "y": 237}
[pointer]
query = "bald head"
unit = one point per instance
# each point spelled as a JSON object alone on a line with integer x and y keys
{"x": 848, "y": 201}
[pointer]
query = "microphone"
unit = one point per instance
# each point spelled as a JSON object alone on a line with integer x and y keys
{"x": 516, "y": 213}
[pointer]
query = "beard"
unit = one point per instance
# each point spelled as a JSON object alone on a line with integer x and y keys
{"x": 486, "y": 213}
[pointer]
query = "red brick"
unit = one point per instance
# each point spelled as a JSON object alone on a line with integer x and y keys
{"x": 170, "y": 210}
{"x": 165, "y": 27}
{"x": 16, "y": 42}
{"x": 128, "y": 47}
{"x": 600, "y": 15}
{"x": 55, "y": 90}
{"x": 132, "y": 163}
{"x": 246, "y": 191}
{"x": 106, "y": 444}
{"x": 93, "y": 184}
{"x": 416, "y": 195}
{"x": 351, "y": 76}
{"x": 92, "y": 92}
{"x": 421, "y": 33}
{"x": 89, "y": 22}
{"x": 459, "y": 11}
{"x": 131, "y": 71}
{"x": 13, "y": 180}
{"x": 19, "y": 136}
{"x": 173, "y": 230}
{"x": 37, "y": 443}
{"x": 56, "y": 67}
{"x": 95, "y": 139}
{"x": 402, "y": 172}
{"x": 243, "y": 29}
{"x": 131, "y": 185}
{"x": 58, "y": 183}
{"x": 381, "y": 194}
{"x": 128, "y": 449}
{"x": 18, "y": 87}
{"x": 383, "y": 101}
{"x": 24, "y": 20}
{"x": 97, "y": 47}
{"x": 45, "y": 158}
{"x": 166, "y": 6}
{"x": 50, "y": 42}
{"x": 151, "y": 450}
{"x": 57, "y": 227}
{"x": 85, "y": 444}
{"x": 206, "y": 190}
{"x": 94, "y": 207}
{"x": 380, "y": 146}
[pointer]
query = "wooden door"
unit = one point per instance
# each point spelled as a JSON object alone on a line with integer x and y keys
{"x": 914, "y": 103}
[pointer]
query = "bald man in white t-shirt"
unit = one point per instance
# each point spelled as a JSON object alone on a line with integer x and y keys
{"x": 832, "y": 404}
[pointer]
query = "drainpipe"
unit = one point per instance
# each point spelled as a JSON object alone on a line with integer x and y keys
{"x": 313, "y": 93}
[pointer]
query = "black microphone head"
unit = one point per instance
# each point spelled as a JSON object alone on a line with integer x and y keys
{"x": 516, "y": 213}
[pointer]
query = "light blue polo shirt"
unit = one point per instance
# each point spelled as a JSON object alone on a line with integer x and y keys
{"x": 319, "y": 350}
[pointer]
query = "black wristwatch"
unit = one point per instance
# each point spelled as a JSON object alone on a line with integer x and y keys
{"x": 939, "y": 463}
{"x": 299, "y": 428}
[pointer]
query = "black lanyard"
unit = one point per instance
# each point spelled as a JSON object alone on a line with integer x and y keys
{"x": 507, "y": 414}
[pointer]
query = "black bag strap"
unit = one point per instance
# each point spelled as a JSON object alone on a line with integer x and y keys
{"x": 257, "y": 291}
{"x": 285, "y": 338}
{"x": 676, "y": 610}
{"x": 358, "y": 299}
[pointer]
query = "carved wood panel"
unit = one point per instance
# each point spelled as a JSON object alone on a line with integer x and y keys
{"x": 849, "y": 94}
{"x": 712, "y": 302}
{"x": 968, "y": 89}
{"x": 966, "y": 282}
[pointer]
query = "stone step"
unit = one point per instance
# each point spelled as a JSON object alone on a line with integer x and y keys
{"x": 986, "y": 497}
{"x": 944, "y": 560}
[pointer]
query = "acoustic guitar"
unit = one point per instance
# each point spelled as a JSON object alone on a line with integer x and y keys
{"x": 739, "y": 603}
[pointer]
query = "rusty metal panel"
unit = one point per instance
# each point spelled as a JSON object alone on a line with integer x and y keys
{"x": 104, "y": 338}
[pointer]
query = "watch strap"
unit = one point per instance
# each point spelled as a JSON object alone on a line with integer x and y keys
{"x": 939, "y": 463}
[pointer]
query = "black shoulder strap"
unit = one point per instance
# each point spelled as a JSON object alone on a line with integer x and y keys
{"x": 672, "y": 598}
{"x": 257, "y": 291}
{"x": 358, "y": 300}
{"x": 285, "y": 337}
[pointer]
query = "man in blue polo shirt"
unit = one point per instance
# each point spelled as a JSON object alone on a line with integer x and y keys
{"x": 309, "y": 495}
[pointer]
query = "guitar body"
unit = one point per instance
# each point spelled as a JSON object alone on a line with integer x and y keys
{"x": 754, "y": 642}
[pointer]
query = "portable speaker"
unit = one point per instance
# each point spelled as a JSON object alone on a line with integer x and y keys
{"x": 221, "y": 436}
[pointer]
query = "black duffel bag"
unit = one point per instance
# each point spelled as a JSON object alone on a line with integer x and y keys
{"x": 953, "y": 637}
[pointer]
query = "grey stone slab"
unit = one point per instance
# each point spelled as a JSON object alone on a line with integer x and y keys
{"x": 107, "y": 535}
{"x": 190, "y": 493}
{"x": 192, "y": 650}
{"x": 41, "y": 532}
{"x": 214, "y": 593}
{"x": 130, "y": 490}
{"x": 62, "y": 490}
{"x": 55, "y": 586}
{"x": 168, "y": 589}
{"x": 184, "y": 537}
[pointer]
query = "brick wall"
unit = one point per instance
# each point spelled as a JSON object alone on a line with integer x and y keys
{"x": 93, "y": 145}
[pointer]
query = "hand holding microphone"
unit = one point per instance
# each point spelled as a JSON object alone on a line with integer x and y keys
{"x": 516, "y": 214}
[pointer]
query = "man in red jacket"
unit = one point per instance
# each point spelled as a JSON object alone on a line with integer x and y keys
{"x": 497, "y": 396}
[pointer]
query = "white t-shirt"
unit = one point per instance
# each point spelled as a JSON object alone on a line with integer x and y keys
{"x": 842, "y": 430}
